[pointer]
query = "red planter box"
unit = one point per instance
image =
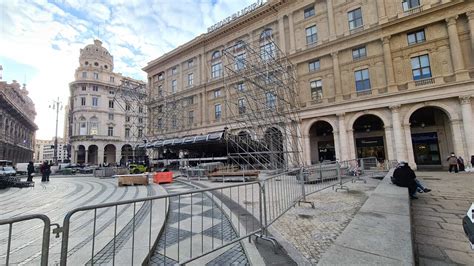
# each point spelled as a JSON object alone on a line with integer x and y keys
{"x": 163, "y": 177}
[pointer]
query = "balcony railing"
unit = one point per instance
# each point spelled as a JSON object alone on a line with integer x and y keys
{"x": 424, "y": 82}
{"x": 364, "y": 92}
{"x": 413, "y": 10}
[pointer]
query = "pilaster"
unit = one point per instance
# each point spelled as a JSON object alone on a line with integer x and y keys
{"x": 400, "y": 147}
{"x": 466, "y": 110}
{"x": 457, "y": 137}
{"x": 281, "y": 33}
{"x": 337, "y": 76}
{"x": 331, "y": 23}
{"x": 389, "y": 73}
{"x": 455, "y": 48}
{"x": 470, "y": 17}
{"x": 292, "y": 33}
{"x": 381, "y": 11}
{"x": 344, "y": 155}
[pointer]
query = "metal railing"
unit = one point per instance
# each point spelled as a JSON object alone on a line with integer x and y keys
{"x": 178, "y": 228}
{"x": 45, "y": 238}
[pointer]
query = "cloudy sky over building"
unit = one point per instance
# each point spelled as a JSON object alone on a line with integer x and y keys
{"x": 40, "y": 40}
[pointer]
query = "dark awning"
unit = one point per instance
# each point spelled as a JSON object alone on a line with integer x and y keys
{"x": 199, "y": 139}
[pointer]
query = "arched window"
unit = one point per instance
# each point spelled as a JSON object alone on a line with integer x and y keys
{"x": 93, "y": 126}
{"x": 82, "y": 126}
{"x": 216, "y": 55}
{"x": 267, "y": 47}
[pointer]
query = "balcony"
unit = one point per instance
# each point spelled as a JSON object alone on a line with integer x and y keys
{"x": 413, "y": 10}
{"x": 364, "y": 92}
{"x": 424, "y": 82}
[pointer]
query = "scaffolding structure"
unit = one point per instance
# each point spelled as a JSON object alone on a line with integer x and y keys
{"x": 263, "y": 126}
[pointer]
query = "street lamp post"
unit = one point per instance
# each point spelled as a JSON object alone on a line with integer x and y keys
{"x": 56, "y": 105}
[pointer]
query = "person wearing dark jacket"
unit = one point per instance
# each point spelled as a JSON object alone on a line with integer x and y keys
{"x": 472, "y": 161}
{"x": 31, "y": 170}
{"x": 43, "y": 171}
{"x": 461, "y": 164}
{"x": 404, "y": 176}
{"x": 48, "y": 170}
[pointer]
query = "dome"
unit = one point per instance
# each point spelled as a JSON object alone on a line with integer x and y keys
{"x": 96, "y": 56}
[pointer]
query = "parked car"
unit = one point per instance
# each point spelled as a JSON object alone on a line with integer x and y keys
{"x": 7, "y": 171}
{"x": 137, "y": 168}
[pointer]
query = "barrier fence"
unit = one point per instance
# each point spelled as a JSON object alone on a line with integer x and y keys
{"x": 187, "y": 226}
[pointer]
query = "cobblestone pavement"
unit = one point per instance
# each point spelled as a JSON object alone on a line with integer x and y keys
{"x": 196, "y": 224}
{"x": 438, "y": 233}
{"x": 63, "y": 194}
{"x": 313, "y": 231}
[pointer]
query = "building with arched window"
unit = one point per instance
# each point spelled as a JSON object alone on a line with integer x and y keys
{"x": 389, "y": 79}
{"x": 102, "y": 127}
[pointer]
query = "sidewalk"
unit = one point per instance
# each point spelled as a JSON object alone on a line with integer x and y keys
{"x": 438, "y": 233}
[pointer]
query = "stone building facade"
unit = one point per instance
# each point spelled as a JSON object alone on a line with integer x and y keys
{"x": 17, "y": 126}
{"x": 101, "y": 126}
{"x": 44, "y": 151}
{"x": 390, "y": 79}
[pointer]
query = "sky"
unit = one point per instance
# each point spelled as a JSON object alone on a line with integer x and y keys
{"x": 40, "y": 40}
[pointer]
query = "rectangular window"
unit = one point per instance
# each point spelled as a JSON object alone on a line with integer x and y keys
{"x": 270, "y": 100}
{"x": 241, "y": 86}
{"x": 190, "y": 79}
{"x": 410, "y": 4}
{"x": 358, "y": 53}
{"x": 190, "y": 117}
{"x": 127, "y": 119}
{"x": 84, "y": 88}
{"x": 140, "y": 109}
{"x": 127, "y": 107}
{"x": 160, "y": 90}
{"x": 311, "y": 35}
{"x": 217, "y": 111}
{"x": 216, "y": 70}
{"x": 112, "y": 79}
{"x": 95, "y": 101}
{"x": 127, "y": 132}
{"x": 309, "y": 12}
{"x": 110, "y": 131}
{"x": 190, "y": 63}
{"x": 111, "y": 92}
{"x": 314, "y": 65}
{"x": 362, "y": 80}
{"x": 84, "y": 75}
{"x": 140, "y": 120}
{"x": 83, "y": 101}
{"x": 111, "y": 103}
{"x": 267, "y": 51}
{"x": 420, "y": 67}
{"x": 161, "y": 76}
{"x": 242, "y": 106}
{"x": 355, "y": 18}
{"x": 174, "y": 86}
{"x": 140, "y": 133}
{"x": 239, "y": 62}
{"x": 416, "y": 37}
{"x": 96, "y": 75}
{"x": 95, "y": 88}
{"x": 316, "y": 89}
{"x": 217, "y": 93}
{"x": 111, "y": 116}
{"x": 174, "y": 71}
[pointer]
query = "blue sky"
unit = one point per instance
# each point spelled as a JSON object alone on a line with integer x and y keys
{"x": 40, "y": 40}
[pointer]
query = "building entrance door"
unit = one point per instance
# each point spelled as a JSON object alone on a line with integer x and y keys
{"x": 326, "y": 151}
{"x": 371, "y": 147}
{"x": 426, "y": 148}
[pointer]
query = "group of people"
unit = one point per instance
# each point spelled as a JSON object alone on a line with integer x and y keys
{"x": 456, "y": 164}
{"x": 45, "y": 170}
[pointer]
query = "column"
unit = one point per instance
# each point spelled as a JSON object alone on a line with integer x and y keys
{"x": 73, "y": 155}
{"x": 281, "y": 30}
{"x": 337, "y": 140}
{"x": 466, "y": 110}
{"x": 332, "y": 25}
{"x": 344, "y": 155}
{"x": 387, "y": 57}
{"x": 455, "y": 47}
{"x": 400, "y": 148}
{"x": 381, "y": 11}
{"x": 337, "y": 76}
{"x": 100, "y": 155}
{"x": 389, "y": 143}
{"x": 457, "y": 139}
{"x": 292, "y": 33}
{"x": 118, "y": 155}
{"x": 470, "y": 17}
{"x": 307, "y": 149}
{"x": 351, "y": 147}
{"x": 409, "y": 144}
{"x": 86, "y": 154}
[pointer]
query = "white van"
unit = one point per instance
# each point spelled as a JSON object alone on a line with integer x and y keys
{"x": 22, "y": 168}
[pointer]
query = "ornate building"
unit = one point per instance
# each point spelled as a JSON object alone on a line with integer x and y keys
{"x": 391, "y": 79}
{"x": 17, "y": 127}
{"x": 102, "y": 127}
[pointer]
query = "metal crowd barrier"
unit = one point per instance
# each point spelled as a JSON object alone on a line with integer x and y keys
{"x": 45, "y": 240}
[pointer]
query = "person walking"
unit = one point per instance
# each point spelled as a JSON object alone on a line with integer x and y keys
{"x": 31, "y": 170}
{"x": 453, "y": 163}
{"x": 461, "y": 164}
{"x": 43, "y": 171}
{"x": 48, "y": 171}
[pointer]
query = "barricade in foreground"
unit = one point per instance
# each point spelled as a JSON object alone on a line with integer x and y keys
{"x": 45, "y": 238}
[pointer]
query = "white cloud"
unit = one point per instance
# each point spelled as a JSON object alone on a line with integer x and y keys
{"x": 47, "y": 36}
